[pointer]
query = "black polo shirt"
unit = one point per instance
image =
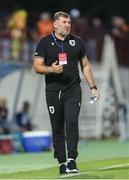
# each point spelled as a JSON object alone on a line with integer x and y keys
{"x": 48, "y": 49}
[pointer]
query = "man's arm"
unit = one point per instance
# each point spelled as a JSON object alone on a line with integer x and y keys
{"x": 86, "y": 69}
{"x": 40, "y": 67}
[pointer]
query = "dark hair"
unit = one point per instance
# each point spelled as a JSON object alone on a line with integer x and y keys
{"x": 59, "y": 14}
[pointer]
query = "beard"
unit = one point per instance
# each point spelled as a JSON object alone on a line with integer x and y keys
{"x": 64, "y": 34}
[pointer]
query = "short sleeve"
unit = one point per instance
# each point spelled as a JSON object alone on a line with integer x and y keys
{"x": 40, "y": 50}
{"x": 82, "y": 52}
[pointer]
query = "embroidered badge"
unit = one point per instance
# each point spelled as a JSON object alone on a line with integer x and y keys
{"x": 72, "y": 42}
{"x": 51, "y": 109}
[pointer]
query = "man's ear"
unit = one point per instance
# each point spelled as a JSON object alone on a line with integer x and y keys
{"x": 55, "y": 25}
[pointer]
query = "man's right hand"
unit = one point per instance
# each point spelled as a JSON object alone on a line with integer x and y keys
{"x": 57, "y": 68}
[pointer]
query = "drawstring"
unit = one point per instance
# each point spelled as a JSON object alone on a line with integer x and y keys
{"x": 60, "y": 94}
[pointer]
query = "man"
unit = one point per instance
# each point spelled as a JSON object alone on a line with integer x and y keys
{"x": 45, "y": 24}
{"x": 23, "y": 119}
{"x": 57, "y": 56}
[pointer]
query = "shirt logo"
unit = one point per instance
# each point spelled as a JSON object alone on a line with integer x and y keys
{"x": 72, "y": 42}
{"x": 52, "y": 109}
{"x": 52, "y": 43}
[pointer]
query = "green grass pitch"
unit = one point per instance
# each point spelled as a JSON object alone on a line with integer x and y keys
{"x": 97, "y": 160}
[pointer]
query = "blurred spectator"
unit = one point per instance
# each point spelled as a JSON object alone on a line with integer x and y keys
{"x": 120, "y": 34}
{"x": 23, "y": 119}
{"x": 74, "y": 13}
{"x": 17, "y": 25}
{"x": 119, "y": 24}
{"x": 79, "y": 23}
{"x": 45, "y": 25}
{"x": 3, "y": 117}
{"x": 94, "y": 39}
{"x": 4, "y": 39}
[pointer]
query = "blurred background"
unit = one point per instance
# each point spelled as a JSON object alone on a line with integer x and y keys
{"x": 104, "y": 27}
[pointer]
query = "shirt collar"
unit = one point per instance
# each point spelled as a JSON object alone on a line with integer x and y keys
{"x": 66, "y": 39}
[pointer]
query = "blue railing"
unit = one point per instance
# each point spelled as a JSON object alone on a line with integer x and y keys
{"x": 7, "y": 68}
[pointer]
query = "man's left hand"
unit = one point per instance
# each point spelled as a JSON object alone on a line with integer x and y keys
{"x": 94, "y": 92}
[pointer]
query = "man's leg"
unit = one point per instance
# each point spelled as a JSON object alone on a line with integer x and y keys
{"x": 72, "y": 109}
{"x": 71, "y": 114}
{"x": 57, "y": 123}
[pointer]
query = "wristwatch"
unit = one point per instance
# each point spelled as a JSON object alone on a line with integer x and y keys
{"x": 93, "y": 87}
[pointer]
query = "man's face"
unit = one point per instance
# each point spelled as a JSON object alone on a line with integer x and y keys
{"x": 63, "y": 26}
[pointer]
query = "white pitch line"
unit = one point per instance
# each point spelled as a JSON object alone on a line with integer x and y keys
{"x": 99, "y": 169}
{"x": 77, "y": 174}
{"x": 113, "y": 166}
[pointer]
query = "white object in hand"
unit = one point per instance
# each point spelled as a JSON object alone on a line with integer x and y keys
{"x": 93, "y": 99}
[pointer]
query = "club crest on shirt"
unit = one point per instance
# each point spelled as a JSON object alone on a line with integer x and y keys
{"x": 52, "y": 109}
{"x": 72, "y": 42}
